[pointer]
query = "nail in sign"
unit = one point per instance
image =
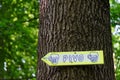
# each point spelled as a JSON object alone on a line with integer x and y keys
{"x": 74, "y": 58}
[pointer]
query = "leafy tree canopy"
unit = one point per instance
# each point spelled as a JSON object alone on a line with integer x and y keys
{"x": 115, "y": 12}
{"x": 18, "y": 38}
{"x": 115, "y": 20}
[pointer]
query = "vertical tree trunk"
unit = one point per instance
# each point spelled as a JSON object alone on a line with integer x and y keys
{"x": 2, "y": 58}
{"x": 75, "y": 25}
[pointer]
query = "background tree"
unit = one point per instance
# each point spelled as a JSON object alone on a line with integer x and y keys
{"x": 75, "y": 25}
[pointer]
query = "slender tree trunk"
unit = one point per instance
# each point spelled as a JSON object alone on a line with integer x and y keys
{"x": 75, "y": 25}
{"x": 2, "y": 58}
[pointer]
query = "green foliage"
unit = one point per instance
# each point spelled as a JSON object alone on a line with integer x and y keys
{"x": 115, "y": 12}
{"x": 115, "y": 20}
{"x": 18, "y": 38}
{"x": 116, "y": 46}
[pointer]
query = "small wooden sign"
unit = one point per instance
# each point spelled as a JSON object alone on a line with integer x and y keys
{"x": 74, "y": 58}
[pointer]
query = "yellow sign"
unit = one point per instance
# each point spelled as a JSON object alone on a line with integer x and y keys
{"x": 74, "y": 58}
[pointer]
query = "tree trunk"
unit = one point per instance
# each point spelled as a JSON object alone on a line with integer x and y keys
{"x": 75, "y": 25}
{"x": 2, "y": 58}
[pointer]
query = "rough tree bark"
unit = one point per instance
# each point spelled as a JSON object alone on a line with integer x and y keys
{"x": 75, "y": 25}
